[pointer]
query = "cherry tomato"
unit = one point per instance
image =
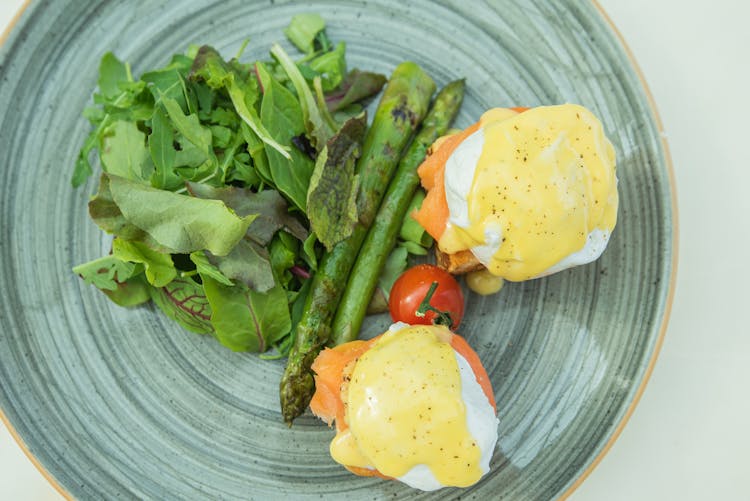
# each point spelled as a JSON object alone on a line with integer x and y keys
{"x": 412, "y": 286}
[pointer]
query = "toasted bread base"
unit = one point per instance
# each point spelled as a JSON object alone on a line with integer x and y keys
{"x": 459, "y": 263}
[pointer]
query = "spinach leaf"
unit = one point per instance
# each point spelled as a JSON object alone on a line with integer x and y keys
{"x": 283, "y": 254}
{"x": 248, "y": 263}
{"x": 170, "y": 82}
{"x": 302, "y": 30}
{"x": 245, "y": 320}
{"x": 180, "y": 223}
{"x": 331, "y": 199}
{"x": 319, "y": 130}
{"x": 280, "y": 112}
{"x": 159, "y": 267}
{"x": 184, "y": 301}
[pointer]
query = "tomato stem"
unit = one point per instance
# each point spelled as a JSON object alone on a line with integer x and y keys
{"x": 441, "y": 317}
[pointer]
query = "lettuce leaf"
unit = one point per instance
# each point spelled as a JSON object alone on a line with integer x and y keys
{"x": 180, "y": 223}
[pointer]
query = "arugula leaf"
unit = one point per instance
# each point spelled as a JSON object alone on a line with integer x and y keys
{"x": 302, "y": 30}
{"x": 83, "y": 167}
{"x": 356, "y": 86}
{"x": 190, "y": 128}
{"x": 245, "y": 320}
{"x": 269, "y": 206}
{"x": 331, "y": 199}
{"x": 159, "y": 267}
{"x": 125, "y": 153}
{"x": 170, "y": 82}
{"x": 121, "y": 281}
{"x": 243, "y": 92}
{"x": 106, "y": 272}
{"x": 317, "y": 128}
{"x": 180, "y": 223}
{"x": 184, "y": 301}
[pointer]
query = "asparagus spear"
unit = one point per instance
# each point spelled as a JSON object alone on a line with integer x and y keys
{"x": 381, "y": 238}
{"x": 403, "y": 106}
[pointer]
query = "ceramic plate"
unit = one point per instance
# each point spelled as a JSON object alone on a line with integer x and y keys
{"x": 115, "y": 402}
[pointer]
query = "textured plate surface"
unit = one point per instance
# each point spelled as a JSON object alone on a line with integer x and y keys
{"x": 117, "y": 402}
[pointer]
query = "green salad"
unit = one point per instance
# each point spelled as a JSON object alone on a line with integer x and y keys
{"x": 225, "y": 184}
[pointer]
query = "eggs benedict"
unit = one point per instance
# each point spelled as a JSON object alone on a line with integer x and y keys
{"x": 523, "y": 192}
{"x": 414, "y": 404}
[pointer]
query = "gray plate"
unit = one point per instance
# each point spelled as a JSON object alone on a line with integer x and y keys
{"x": 116, "y": 402}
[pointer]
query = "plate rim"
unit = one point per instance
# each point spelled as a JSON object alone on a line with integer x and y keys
{"x": 666, "y": 315}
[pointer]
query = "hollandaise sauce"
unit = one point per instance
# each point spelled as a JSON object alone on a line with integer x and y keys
{"x": 527, "y": 190}
{"x": 405, "y": 408}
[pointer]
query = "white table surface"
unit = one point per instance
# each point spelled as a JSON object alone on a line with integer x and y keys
{"x": 688, "y": 438}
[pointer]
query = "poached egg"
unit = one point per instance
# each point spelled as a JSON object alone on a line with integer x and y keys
{"x": 529, "y": 193}
{"x": 417, "y": 407}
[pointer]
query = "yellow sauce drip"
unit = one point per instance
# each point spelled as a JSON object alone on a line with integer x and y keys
{"x": 405, "y": 409}
{"x": 545, "y": 179}
{"x": 483, "y": 282}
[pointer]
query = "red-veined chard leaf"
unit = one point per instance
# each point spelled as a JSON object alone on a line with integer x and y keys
{"x": 184, "y": 301}
{"x": 356, "y": 86}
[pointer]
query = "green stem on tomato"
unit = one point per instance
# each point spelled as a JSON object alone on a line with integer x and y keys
{"x": 441, "y": 317}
